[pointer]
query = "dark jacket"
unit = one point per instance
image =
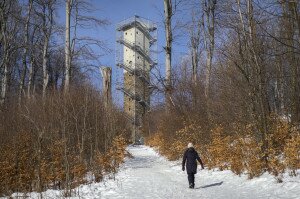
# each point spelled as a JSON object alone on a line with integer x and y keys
{"x": 190, "y": 157}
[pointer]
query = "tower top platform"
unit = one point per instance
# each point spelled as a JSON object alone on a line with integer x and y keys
{"x": 144, "y": 25}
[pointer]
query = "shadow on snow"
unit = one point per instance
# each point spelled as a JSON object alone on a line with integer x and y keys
{"x": 210, "y": 185}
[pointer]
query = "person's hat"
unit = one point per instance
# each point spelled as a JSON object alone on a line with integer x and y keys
{"x": 190, "y": 145}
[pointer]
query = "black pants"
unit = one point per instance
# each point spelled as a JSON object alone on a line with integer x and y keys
{"x": 191, "y": 178}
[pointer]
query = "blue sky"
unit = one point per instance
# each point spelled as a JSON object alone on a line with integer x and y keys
{"x": 117, "y": 10}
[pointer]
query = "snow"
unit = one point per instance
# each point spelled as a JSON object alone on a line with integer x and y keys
{"x": 149, "y": 175}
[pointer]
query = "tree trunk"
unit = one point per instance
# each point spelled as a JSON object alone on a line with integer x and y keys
{"x": 24, "y": 56}
{"x": 195, "y": 33}
{"x": 67, "y": 48}
{"x": 208, "y": 74}
{"x": 5, "y": 59}
{"x": 4, "y": 84}
{"x": 209, "y": 43}
{"x": 195, "y": 65}
{"x": 106, "y": 83}
{"x": 45, "y": 69}
{"x": 294, "y": 63}
{"x": 30, "y": 78}
{"x": 168, "y": 50}
{"x": 47, "y": 33}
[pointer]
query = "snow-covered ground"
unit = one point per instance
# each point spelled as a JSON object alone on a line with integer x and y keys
{"x": 148, "y": 175}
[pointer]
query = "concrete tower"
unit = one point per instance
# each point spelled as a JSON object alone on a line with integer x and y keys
{"x": 136, "y": 39}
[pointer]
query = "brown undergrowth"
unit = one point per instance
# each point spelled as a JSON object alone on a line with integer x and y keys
{"x": 59, "y": 142}
{"x": 237, "y": 149}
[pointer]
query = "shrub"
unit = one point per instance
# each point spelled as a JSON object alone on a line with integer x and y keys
{"x": 236, "y": 156}
{"x": 292, "y": 153}
{"x": 54, "y": 142}
{"x": 218, "y": 150}
{"x": 252, "y": 154}
{"x": 110, "y": 161}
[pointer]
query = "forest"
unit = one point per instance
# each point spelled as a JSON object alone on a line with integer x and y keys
{"x": 235, "y": 94}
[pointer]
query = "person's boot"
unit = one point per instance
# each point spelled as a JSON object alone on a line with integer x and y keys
{"x": 191, "y": 186}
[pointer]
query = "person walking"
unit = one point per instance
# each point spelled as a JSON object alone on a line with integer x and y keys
{"x": 189, "y": 161}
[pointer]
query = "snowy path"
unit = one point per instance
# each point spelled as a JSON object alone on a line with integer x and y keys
{"x": 148, "y": 175}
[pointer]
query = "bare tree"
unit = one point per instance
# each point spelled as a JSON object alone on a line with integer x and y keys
{"x": 33, "y": 57}
{"x": 78, "y": 48}
{"x": 25, "y": 50}
{"x": 46, "y": 16}
{"x": 291, "y": 24}
{"x": 209, "y": 7}
{"x": 8, "y": 35}
{"x": 67, "y": 47}
{"x": 195, "y": 38}
{"x": 168, "y": 49}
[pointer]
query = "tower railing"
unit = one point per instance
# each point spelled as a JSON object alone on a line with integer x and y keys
{"x": 135, "y": 71}
{"x": 145, "y": 23}
{"x": 138, "y": 49}
{"x": 139, "y": 26}
{"x": 135, "y": 97}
